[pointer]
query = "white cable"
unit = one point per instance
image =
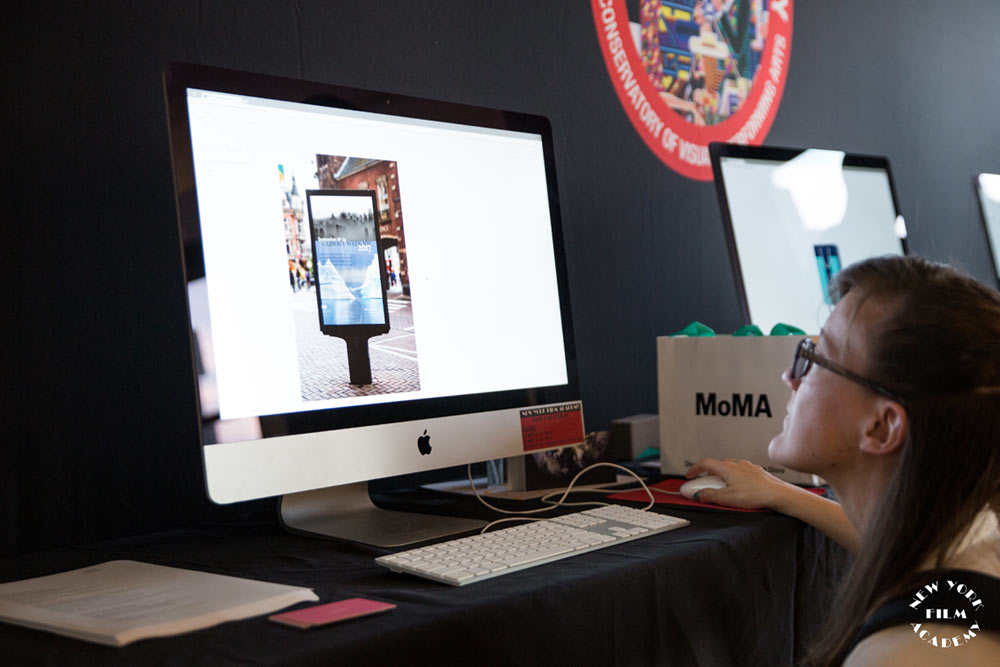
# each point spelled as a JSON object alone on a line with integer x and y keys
{"x": 565, "y": 493}
{"x": 591, "y": 489}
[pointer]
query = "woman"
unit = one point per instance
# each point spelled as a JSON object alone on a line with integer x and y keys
{"x": 897, "y": 407}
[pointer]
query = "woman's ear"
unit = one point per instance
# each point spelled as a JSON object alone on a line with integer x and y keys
{"x": 886, "y": 432}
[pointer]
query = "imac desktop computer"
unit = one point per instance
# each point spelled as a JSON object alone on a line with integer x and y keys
{"x": 793, "y": 218}
{"x": 988, "y": 189}
{"x": 376, "y": 286}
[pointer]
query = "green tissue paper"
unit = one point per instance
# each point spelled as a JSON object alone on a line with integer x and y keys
{"x": 695, "y": 329}
{"x": 748, "y": 330}
{"x": 782, "y": 329}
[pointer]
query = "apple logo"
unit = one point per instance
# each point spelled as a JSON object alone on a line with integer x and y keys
{"x": 424, "y": 443}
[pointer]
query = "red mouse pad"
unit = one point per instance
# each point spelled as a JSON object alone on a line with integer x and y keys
{"x": 674, "y": 484}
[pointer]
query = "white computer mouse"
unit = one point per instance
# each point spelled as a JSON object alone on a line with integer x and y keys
{"x": 693, "y": 486}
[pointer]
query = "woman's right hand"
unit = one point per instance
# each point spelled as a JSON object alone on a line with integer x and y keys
{"x": 748, "y": 485}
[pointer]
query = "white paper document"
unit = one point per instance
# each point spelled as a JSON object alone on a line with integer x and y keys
{"x": 122, "y": 601}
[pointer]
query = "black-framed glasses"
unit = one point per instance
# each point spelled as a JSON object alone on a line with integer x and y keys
{"x": 806, "y": 356}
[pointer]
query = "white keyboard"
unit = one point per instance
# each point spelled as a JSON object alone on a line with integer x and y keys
{"x": 470, "y": 559}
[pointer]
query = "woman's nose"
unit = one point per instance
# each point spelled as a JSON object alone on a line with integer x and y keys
{"x": 786, "y": 377}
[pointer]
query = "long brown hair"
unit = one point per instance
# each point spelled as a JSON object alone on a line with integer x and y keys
{"x": 938, "y": 348}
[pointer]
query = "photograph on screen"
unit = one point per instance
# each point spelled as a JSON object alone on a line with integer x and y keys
{"x": 344, "y": 248}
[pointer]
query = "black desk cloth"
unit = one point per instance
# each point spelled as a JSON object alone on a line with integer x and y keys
{"x": 730, "y": 589}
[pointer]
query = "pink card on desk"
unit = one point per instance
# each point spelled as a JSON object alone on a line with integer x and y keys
{"x": 331, "y": 612}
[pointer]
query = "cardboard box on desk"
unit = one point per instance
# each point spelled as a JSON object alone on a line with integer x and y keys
{"x": 723, "y": 397}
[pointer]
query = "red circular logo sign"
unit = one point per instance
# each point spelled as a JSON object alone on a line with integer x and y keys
{"x": 697, "y": 71}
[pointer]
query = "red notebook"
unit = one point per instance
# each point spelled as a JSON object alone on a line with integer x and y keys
{"x": 674, "y": 484}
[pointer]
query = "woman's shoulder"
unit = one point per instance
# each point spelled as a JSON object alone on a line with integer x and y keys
{"x": 979, "y": 550}
{"x": 903, "y": 645}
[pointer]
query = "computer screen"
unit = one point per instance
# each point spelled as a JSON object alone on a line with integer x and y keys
{"x": 376, "y": 283}
{"x": 988, "y": 188}
{"x": 793, "y": 218}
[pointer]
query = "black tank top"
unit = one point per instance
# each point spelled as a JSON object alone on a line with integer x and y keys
{"x": 941, "y": 595}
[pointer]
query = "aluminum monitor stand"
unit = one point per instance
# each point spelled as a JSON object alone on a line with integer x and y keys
{"x": 346, "y": 512}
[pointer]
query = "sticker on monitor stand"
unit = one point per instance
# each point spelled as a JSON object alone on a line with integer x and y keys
{"x": 690, "y": 72}
{"x": 552, "y": 426}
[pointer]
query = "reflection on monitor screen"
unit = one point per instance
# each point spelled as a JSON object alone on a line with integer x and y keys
{"x": 794, "y": 218}
{"x": 384, "y": 287}
{"x": 988, "y": 187}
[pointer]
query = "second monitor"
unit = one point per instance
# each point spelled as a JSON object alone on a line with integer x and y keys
{"x": 793, "y": 218}
{"x": 988, "y": 188}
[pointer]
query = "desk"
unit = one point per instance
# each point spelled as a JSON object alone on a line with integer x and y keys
{"x": 730, "y": 589}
